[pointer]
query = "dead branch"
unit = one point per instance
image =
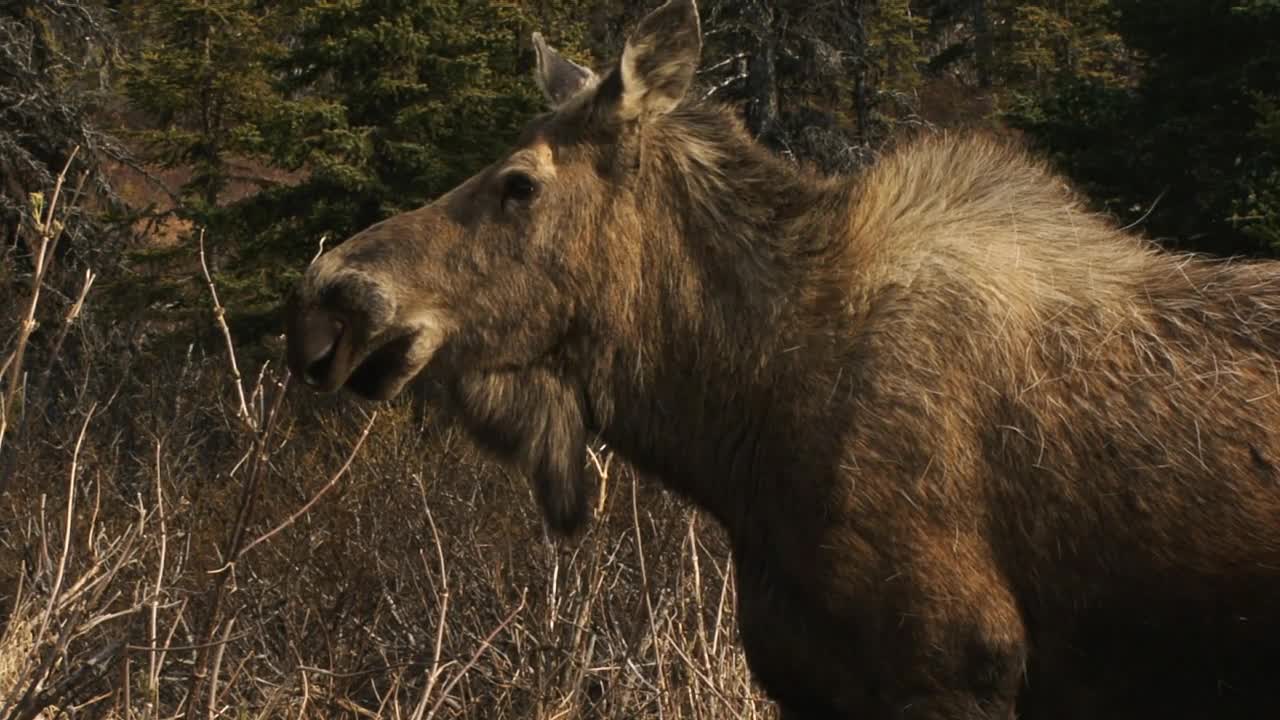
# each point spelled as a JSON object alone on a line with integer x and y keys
{"x": 220, "y": 316}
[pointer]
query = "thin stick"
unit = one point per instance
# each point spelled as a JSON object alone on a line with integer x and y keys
{"x": 220, "y": 314}
{"x": 43, "y": 258}
{"x": 602, "y": 469}
{"x": 475, "y": 657}
{"x": 125, "y": 684}
{"x": 197, "y": 646}
{"x": 55, "y": 594}
{"x": 217, "y": 667}
{"x": 71, "y": 315}
{"x": 57, "y": 186}
{"x": 648, "y": 601}
{"x": 306, "y": 694}
{"x": 156, "y": 658}
{"x": 315, "y": 498}
{"x": 218, "y": 591}
{"x": 442, "y": 621}
{"x": 697, "y": 586}
{"x": 319, "y": 249}
{"x": 168, "y": 641}
{"x": 725, "y": 582}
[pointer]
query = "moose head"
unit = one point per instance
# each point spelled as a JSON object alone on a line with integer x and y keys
{"x": 525, "y": 282}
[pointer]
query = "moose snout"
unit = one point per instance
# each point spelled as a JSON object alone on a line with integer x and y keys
{"x": 313, "y": 345}
{"x": 336, "y": 316}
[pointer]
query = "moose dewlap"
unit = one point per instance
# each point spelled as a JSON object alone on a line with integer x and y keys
{"x": 980, "y": 453}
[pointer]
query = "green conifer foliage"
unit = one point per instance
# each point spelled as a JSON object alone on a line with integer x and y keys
{"x": 200, "y": 77}
{"x": 1190, "y": 145}
{"x": 388, "y": 104}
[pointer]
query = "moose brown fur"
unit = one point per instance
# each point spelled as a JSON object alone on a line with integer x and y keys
{"x": 979, "y": 452}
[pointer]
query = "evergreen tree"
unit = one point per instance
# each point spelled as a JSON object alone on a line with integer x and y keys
{"x": 389, "y": 104}
{"x": 53, "y": 58}
{"x": 1039, "y": 43}
{"x": 822, "y": 82}
{"x": 200, "y": 76}
{"x": 1192, "y": 148}
{"x": 371, "y": 106}
{"x": 896, "y": 54}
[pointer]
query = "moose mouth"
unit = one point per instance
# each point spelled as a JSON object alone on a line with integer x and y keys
{"x": 385, "y": 370}
{"x": 377, "y": 372}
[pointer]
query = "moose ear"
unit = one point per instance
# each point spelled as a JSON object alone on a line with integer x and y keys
{"x": 559, "y": 77}
{"x": 660, "y": 59}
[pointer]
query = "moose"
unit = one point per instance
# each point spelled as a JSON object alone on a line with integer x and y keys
{"x": 979, "y": 452}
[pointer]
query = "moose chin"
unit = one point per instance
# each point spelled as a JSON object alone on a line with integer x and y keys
{"x": 979, "y": 452}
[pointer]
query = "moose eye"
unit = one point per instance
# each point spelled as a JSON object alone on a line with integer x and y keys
{"x": 517, "y": 189}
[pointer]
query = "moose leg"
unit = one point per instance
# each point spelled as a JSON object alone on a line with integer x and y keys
{"x": 951, "y": 648}
{"x": 799, "y": 654}
{"x": 958, "y": 643}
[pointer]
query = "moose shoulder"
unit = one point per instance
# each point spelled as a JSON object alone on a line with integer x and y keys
{"x": 980, "y": 453}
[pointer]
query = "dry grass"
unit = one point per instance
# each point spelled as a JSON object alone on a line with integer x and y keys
{"x": 180, "y": 539}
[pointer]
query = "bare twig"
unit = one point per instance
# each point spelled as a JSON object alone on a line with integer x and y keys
{"x": 54, "y": 595}
{"x": 475, "y": 657}
{"x": 436, "y": 668}
{"x": 199, "y": 646}
{"x": 68, "y": 320}
{"x": 220, "y": 315}
{"x": 314, "y": 498}
{"x": 319, "y": 247}
{"x": 156, "y": 657}
{"x": 217, "y": 593}
{"x": 697, "y": 588}
{"x": 602, "y": 469}
{"x": 30, "y": 703}
{"x": 648, "y": 601}
{"x": 48, "y": 230}
{"x": 217, "y": 668}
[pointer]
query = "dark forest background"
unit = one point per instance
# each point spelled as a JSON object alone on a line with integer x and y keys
{"x": 183, "y": 536}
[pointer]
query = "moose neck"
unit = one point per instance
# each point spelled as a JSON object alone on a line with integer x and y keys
{"x": 743, "y": 308}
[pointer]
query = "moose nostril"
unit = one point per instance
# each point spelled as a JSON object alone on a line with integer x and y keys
{"x": 320, "y": 348}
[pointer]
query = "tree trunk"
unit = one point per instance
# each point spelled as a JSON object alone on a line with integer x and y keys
{"x": 861, "y": 83}
{"x": 762, "y": 75}
{"x": 982, "y": 42}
